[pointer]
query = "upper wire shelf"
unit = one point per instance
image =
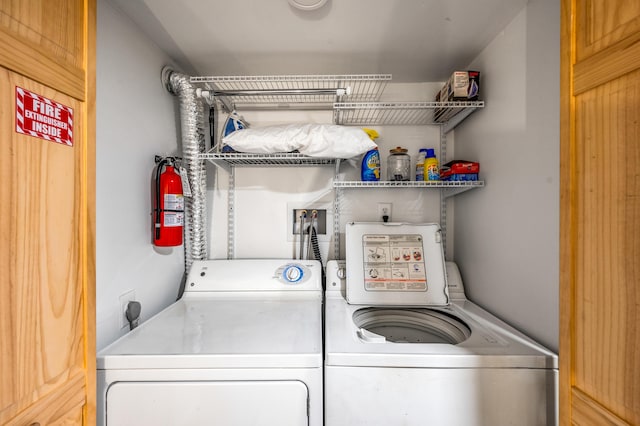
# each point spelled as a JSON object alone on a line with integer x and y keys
{"x": 403, "y": 113}
{"x": 279, "y": 91}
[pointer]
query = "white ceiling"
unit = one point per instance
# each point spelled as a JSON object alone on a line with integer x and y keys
{"x": 414, "y": 40}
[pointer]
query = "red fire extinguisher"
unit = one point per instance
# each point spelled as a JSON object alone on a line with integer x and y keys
{"x": 168, "y": 205}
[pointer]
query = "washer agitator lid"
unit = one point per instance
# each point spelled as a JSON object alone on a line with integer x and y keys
{"x": 395, "y": 264}
{"x": 409, "y": 325}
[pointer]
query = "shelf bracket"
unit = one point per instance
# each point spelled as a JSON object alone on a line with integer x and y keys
{"x": 455, "y": 190}
{"x": 222, "y": 165}
{"x": 457, "y": 119}
{"x": 226, "y": 105}
{"x": 211, "y": 96}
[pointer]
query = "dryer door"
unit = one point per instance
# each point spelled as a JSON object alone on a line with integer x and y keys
{"x": 242, "y": 403}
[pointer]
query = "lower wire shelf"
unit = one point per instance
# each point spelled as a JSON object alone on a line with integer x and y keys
{"x": 228, "y": 160}
{"x": 449, "y": 188}
{"x": 284, "y": 159}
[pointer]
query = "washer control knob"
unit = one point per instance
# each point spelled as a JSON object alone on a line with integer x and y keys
{"x": 342, "y": 272}
{"x": 293, "y": 273}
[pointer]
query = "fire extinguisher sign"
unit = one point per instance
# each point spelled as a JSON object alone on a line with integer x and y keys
{"x": 43, "y": 118}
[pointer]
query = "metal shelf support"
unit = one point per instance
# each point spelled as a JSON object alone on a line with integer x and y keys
{"x": 337, "y": 199}
{"x": 231, "y": 215}
{"x": 443, "y": 199}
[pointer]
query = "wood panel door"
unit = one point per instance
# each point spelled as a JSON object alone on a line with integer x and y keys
{"x": 600, "y": 213}
{"x": 46, "y": 40}
{"x": 47, "y": 203}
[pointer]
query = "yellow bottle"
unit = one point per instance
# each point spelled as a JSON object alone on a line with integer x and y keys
{"x": 431, "y": 166}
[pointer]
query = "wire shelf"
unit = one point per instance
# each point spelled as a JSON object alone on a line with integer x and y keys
{"x": 265, "y": 160}
{"x": 400, "y": 113}
{"x": 406, "y": 184}
{"x": 449, "y": 188}
{"x": 259, "y": 90}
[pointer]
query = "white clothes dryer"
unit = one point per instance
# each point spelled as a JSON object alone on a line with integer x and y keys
{"x": 403, "y": 346}
{"x": 243, "y": 346}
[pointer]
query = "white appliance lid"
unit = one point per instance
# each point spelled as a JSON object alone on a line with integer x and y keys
{"x": 396, "y": 264}
{"x": 224, "y": 332}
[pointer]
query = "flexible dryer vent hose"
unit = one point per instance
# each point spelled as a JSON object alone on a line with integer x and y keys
{"x": 193, "y": 143}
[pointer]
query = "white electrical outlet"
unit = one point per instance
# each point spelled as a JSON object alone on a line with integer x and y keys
{"x": 124, "y": 299}
{"x": 384, "y": 209}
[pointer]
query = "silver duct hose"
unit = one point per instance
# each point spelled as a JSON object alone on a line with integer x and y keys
{"x": 193, "y": 143}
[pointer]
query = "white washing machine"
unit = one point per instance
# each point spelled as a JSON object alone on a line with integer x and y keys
{"x": 403, "y": 347}
{"x": 243, "y": 346}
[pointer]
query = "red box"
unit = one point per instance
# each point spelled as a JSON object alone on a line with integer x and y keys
{"x": 460, "y": 167}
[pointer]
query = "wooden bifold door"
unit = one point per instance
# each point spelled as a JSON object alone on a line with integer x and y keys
{"x": 600, "y": 213}
{"x": 47, "y": 187}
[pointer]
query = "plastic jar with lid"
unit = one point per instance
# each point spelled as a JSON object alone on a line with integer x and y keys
{"x": 398, "y": 164}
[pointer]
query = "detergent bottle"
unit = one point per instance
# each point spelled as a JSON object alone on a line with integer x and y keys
{"x": 370, "y": 170}
{"x": 422, "y": 154}
{"x": 431, "y": 166}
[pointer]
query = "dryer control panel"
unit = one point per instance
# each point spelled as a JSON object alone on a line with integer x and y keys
{"x": 251, "y": 275}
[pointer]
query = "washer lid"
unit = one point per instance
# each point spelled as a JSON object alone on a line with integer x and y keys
{"x": 395, "y": 264}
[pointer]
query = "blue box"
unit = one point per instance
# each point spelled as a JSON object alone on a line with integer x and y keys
{"x": 461, "y": 177}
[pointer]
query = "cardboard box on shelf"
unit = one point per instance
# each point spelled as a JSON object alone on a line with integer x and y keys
{"x": 461, "y": 86}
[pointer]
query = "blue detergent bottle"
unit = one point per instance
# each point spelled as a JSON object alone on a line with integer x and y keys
{"x": 370, "y": 169}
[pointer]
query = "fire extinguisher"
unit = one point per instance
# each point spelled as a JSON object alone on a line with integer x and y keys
{"x": 168, "y": 204}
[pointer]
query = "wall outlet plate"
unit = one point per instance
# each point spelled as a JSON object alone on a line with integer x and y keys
{"x": 384, "y": 209}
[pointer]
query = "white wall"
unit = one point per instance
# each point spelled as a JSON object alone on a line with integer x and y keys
{"x": 135, "y": 121}
{"x": 507, "y": 237}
